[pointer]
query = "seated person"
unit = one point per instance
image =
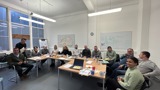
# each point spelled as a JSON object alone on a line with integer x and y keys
{"x": 132, "y": 80}
{"x": 119, "y": 68}
{"x": 43, "y": 52}
{"x": 96, "y": 53}
{"x": 123, "y": 59}
{"x": 146, "y": 66}
{"x": 111, "y": 55}
{"x": 35, "y": 51}
{"x": 86, "y": 52}
{"x": 18, "y": 60}
{"x": 65, "y": 51}
{"x": 54, "y": 52}
{"x": 76, "y": 50}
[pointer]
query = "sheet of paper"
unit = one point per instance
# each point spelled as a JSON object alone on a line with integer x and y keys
{"x": 89, "y": 62}
{"x": 67, "y": 65}
{"x": 61, "y": 58}
{"x": 85, "y": 72}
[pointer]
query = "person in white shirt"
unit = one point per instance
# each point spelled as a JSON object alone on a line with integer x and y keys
{"x": 76, "y": 51}
{"x": 54, "y": 52}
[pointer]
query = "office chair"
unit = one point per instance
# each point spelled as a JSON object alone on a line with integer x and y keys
{"x": 146, "y": 83}
{"x": 15, "y": 75}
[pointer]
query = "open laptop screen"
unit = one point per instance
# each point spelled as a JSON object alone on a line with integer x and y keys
{"x": 78, "y": 62}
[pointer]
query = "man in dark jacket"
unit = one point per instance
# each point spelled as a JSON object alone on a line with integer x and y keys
{"x": 18, "y": 60}
{"x": 86, "y": 52}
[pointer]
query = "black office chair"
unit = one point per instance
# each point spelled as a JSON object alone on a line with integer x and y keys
{"x": 146, "y": 83}
{"x": 117, "y": 58}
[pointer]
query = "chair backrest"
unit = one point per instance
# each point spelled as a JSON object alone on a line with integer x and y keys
{"x": 117, "y": 58}
{"x": 2, "y": 57}
{"x": 28, "y": 53}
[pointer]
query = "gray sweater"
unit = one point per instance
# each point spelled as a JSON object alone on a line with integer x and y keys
{"x": 148, "y": 68}
{"x": 111, "y": 55}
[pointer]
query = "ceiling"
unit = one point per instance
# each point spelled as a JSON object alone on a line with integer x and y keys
{"x": 51, "y": 8}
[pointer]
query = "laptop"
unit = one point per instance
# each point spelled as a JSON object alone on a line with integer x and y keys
{"x": 78, "y": 64}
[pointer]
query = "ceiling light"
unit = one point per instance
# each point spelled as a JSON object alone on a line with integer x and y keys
{"x": 105, "y": 12}
{"x": 43, "y": 17}
{"x": 30, "y": 20}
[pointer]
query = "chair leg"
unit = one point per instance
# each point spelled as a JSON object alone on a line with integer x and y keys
{"x": 2, "y": 84}
{"x": 15, "y": 77}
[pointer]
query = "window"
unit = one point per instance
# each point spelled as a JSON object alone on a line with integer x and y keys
{"x": 4, "y": 29}
{"x": 19, "y": 27}
{"x": 37, "y": 32}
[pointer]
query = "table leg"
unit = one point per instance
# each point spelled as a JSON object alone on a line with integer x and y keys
{"x": 103, "y": 83}
{"x": 37, "y": 67}
{"x": 71, "y": 74}
{"x": 58, "y": 79}
{"x": 2, "y": 84}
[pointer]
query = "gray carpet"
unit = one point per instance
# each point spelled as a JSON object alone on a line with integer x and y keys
{"x": 48, "y": 80}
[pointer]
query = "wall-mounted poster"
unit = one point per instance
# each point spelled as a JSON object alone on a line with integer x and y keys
{"x": 68, "y": 40}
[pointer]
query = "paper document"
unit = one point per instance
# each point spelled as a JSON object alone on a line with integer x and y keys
{"x": 107, "y": 59}
{"x": 85, "y": 72}
{"x": 35, "y": 58}
{"x": 89, "y": 62}
{"x": 61, "y": 58}
{"x": 104, "y": 62}
{"x": 67, "y": 65}
{"x": 22, "y": 50}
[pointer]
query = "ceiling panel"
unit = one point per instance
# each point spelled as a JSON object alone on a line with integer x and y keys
{"x": 51, "y": 8}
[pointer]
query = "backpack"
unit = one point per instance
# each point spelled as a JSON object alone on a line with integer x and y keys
{"x": 3, "y": 57}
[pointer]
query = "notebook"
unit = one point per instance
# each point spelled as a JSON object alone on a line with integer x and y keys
{"x": 78, "y": 64}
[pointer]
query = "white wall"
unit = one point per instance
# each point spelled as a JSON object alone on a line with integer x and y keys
{"x": 154, "y": 34}
{"x": 126, "y": 20}
{"x": 72, "y": 24}
{"x": 81, "y": 25}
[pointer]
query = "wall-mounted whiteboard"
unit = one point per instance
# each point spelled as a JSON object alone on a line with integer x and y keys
{"x": 43, "y": 42}
{"x": 66, "y": 40}
{"x": 117, "y": 40}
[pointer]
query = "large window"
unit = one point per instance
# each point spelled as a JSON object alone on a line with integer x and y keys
{"x": 4, "y": 38}
{"x": 37, "y": 32}
{"x": 19, "y": 27}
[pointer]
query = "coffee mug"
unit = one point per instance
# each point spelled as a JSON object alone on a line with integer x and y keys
{"x": 92, "y": 72}
{"x": 101, "y": 73}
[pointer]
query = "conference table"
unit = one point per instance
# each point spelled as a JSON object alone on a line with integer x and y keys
{"x": 98, "y": 68}
{"x": 37, "y": 59}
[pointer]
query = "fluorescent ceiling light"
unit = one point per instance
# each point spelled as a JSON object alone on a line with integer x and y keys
{"x": 43, "y": 17}
{"x": 105, "y": 12}
{"x": 30, "y": 20}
